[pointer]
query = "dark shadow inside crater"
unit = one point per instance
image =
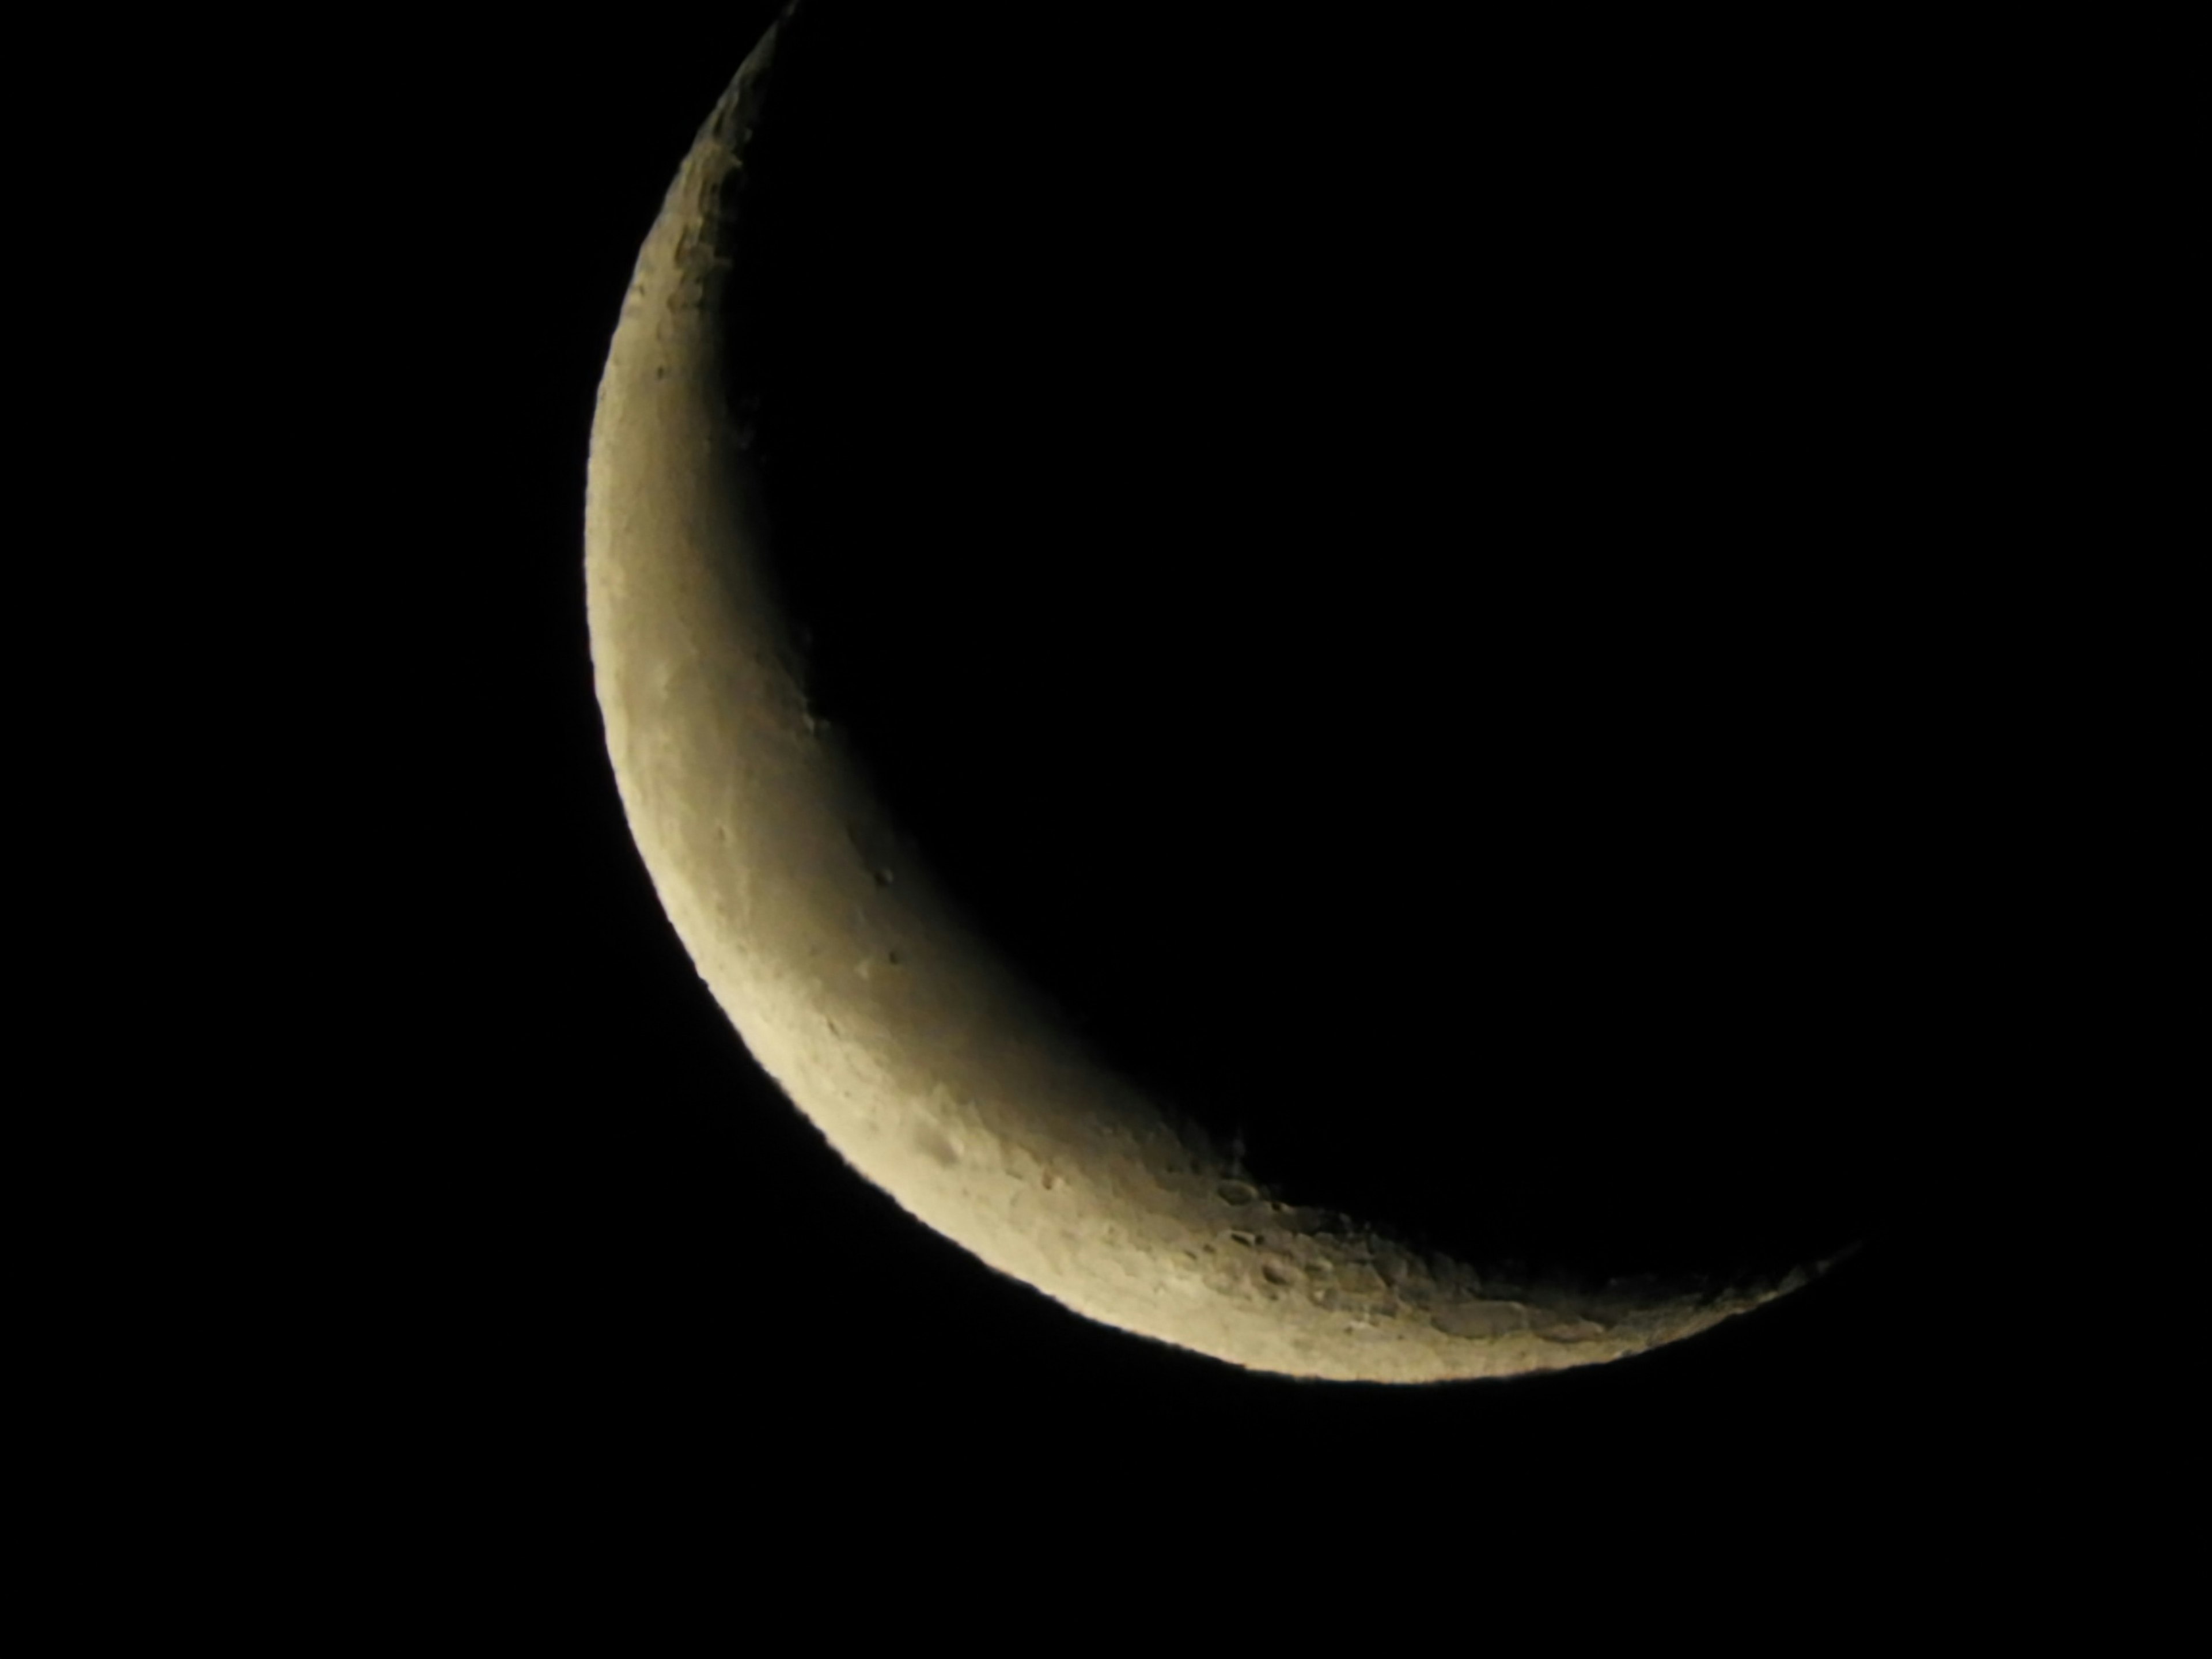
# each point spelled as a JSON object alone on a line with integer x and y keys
{"x": 1401, "y": 615}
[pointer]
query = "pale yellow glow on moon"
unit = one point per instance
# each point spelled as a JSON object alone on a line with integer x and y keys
{"x": 925, "y": 1059}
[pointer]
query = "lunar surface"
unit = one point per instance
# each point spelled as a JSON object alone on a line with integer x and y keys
{"x": 887, "y": 1002}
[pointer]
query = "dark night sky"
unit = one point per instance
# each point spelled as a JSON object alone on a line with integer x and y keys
{"x": 1370, "y": 390}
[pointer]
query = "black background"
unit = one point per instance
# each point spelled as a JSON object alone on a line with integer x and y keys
{"x": 1377, "y": 389}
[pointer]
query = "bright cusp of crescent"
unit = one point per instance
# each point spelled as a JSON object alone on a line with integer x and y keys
{"x": 928, "y": 1062}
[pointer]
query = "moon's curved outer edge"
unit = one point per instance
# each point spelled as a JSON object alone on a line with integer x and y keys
{"x": 925, "y": 1061}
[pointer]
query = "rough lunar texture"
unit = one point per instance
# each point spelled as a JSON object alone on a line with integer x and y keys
{"x": 925, "y": 1059}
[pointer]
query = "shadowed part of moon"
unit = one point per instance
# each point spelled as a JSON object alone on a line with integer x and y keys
{"x": 1373, "y": 744}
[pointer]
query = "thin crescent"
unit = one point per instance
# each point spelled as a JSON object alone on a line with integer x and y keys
{"x": 923, "y": 1058}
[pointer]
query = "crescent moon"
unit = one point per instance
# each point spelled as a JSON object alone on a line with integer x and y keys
{"x": 925, "y": 1059}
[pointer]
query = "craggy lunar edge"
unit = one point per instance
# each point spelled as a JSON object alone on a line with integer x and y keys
{"x": 927, "y": 1060}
